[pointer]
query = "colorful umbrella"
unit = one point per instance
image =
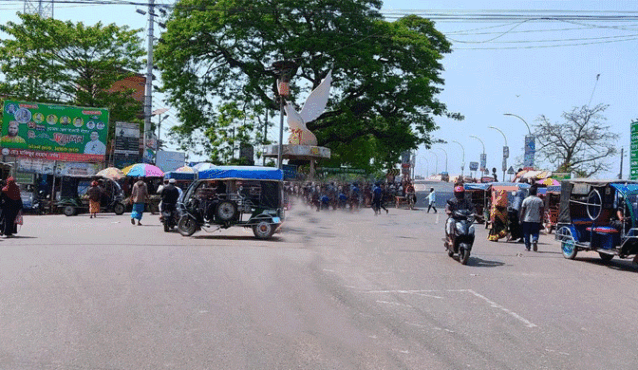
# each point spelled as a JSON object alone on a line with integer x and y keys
{"x": 186, "y": 169}
{"x": 111, "y": 173}
{"x": 550, "y": 182}
{"x": 143, "y": 169}
{"x": 203, "y": 166}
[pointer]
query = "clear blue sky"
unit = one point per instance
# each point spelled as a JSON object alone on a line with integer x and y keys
{"x": 525, "y": 68}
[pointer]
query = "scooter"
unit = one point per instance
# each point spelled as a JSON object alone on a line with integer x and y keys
{"x": 462, "y": 237}
{"x": 169, "y": 216}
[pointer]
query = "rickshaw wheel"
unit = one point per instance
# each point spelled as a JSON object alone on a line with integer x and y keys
{"x": 605, "y": 257}
{"x": 69, "y": 211}
{"x": 118, "y": 209}
{"x": 186, "y": 226}
{"x": 567, "y": 242}
{"x": 263, "y": 230}
{"x": 464, "y": 255}
{"x": 226, "y": 210}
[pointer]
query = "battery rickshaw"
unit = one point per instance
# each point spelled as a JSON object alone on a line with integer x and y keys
{"x": 74, "y": 198}
{"x": 479, "y": 194}
{"x": 598, "y": 215}
{"x": 225, "y": 196}
{"x": 551, "y": 198}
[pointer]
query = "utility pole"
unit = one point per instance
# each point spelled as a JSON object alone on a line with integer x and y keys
{"x": 42, "y": 7}
{"x": 622, "y": 155}
{"x": 148, "y": 97}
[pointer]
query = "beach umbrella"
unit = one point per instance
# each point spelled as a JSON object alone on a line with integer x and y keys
{"x": 111, "y": 173}
{"x": 143, "y": 169}
{"x": 186, "y": 169}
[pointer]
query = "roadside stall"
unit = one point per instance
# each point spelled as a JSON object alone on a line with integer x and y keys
{"x": 551, "y": 198}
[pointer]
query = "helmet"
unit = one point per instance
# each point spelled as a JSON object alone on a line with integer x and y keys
{"x": 459, "y": 191}
{"x": 172, "y": 181}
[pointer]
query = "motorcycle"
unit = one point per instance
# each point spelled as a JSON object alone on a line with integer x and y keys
{"x": 170, "y": 216}
{"x": 462, "y": 238}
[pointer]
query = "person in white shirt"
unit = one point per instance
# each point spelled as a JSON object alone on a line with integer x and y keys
{"x": 95, "y": 146}
{"x": 531, "y": 216}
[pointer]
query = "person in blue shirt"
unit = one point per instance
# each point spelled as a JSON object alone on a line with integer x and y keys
{"x": 432, "y": 200}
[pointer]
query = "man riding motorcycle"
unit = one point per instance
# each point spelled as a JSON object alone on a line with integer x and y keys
{"x": 456, "y": 204}
{"x": 170, "y": 195}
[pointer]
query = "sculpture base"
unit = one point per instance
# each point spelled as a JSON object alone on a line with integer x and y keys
{"x": 305, "y": 152}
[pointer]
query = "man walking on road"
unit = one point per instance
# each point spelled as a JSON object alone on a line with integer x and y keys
{"x": 531, "y": 216}
{"x": 139, "y": 196}
{"x": 432, "y": 200}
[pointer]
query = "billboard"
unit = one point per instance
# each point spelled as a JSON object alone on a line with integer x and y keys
{"x": 127, "y": 144}
{"x": 170, "y": 161}
{"x": 530, "y": 150}
{"x": 54, "y": 132}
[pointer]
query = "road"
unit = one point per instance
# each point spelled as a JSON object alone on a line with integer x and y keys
{"x": 332, "y": 291}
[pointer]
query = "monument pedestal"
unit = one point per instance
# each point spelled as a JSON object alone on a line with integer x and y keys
{"x": 300, "y": 152}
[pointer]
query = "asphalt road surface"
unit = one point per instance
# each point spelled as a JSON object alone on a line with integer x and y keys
{"x": 334, "y": 290}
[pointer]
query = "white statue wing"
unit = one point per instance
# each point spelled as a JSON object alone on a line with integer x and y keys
{"x": 295, "y": 121}
{"x": 317, "y": 101}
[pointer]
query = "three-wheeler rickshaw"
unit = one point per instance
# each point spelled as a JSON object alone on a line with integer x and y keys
{"x": 225, "y": 196}
{"x": 598, "y": 215}
{"x": 479, "y": 194}
{"x": 74, "y": 198}
{"x": 551, "y": 199}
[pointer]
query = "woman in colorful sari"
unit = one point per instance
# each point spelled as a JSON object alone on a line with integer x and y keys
{"x": 498, "y": 217}
{"x": 95, "y": 195}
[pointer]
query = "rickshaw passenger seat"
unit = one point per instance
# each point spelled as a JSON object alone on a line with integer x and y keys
{"x": 582, "y": 221}
{"x": 603, "y": 230}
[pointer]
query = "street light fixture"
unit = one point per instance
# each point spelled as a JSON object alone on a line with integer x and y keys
{"x": 505, "y": 151}
{"x": 530, "y": 143}
{"x": 462, "y": 158}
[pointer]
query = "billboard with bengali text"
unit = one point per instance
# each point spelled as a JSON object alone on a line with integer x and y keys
{"x": 633, "y": 156}
{"x": 54, "y": 131}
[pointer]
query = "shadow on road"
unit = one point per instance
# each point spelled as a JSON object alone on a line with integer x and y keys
{"x": 479, "y": 262}
{"x": 274, "y": 239}
{"x": 615, "y": 264}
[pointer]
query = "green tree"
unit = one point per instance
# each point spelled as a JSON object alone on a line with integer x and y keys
{"x": 386, "y": 75}
{"x": 582, "y": 143}
{"x": 48, "y": 60}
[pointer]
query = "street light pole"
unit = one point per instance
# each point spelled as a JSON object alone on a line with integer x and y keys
{"x": 505, "y": 151}
{"x": 445, "y": 157}
{"x": 436, "y": 166}
{"x": 462, "y": 158}
{"x": 530, "y": 143}
{"x": 483, "y": 154}
{"x": 148, "y": 97}
{"x": 427, "y": 168}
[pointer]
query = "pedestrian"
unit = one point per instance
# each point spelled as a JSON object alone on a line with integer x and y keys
{"x": 11, "y": 204}
{"x": 498, "y": 217}
{"x": 95, "y": 195}
{"x": 516, "y": 234}
{"x": 139, "y": 196}
{"x": 531, "y": 217}
{"x": 432, "y": 200}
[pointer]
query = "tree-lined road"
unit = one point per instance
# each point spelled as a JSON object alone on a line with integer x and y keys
{"x": 333, "y": 291}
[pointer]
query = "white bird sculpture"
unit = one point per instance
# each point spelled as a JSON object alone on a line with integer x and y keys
{"x": 312, "y": 109}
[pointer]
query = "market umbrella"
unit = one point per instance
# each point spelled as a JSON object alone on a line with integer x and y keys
{"x": 203, "y": 166}
{"x": 143, "y": 169}
{"x": 186, "y": 169}
{"x": 550, "y": 182}
{"x": 111, "y": 173}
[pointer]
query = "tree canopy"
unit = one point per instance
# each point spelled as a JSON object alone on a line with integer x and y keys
{"x": 48, "y": 60}
{"x": 386, "y": 75}
{"x": 582, "y": 143}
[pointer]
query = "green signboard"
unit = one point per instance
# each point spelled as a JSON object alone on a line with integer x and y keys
{"x": 633, "y": 158}
{"x": 55, "y": 132}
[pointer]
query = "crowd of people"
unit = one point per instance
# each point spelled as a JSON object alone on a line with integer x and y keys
{"x": 351, "y": 196}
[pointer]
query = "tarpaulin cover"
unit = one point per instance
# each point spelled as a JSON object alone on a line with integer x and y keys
{"x": 625, "y": 187}
{"x": 243, "y": 172}
{"x": 476, "y": 186}
{"x": 179, "y": 175}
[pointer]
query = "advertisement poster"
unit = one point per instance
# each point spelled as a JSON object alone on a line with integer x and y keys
{"x": 633, "y": 156}
{"x": 54, "y": 132}
{"x": 530, "y": 150}
{"x": 483, "y": 162}
{"x": 127, "y": 144}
